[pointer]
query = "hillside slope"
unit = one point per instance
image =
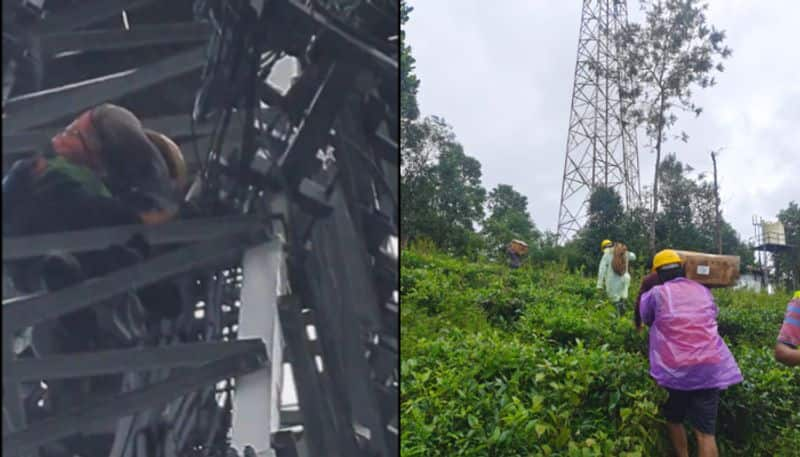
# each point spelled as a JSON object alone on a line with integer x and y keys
{"x": 533, "y": 362}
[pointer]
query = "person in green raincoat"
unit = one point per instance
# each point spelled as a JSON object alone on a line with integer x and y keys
{"x": 613, "y": 275}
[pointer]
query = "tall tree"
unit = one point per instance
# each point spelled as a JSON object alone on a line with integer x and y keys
{"x": 672, "y": 52}
{"x": 419, "y": 143}
{"x": 634, "y": 229}
{"x": 459, "y": 195}
{"x": 409, "y": 83}
{"x": 422, "y": 144}
{"x": 675, "y": 223}
{"x": 605, "y": 222}
{"x": 446, "y": 202}
{"x": 605, "y": 213}
{"x": 688, "y": 218}
{"x": 442, "y": 196}
{"x": 508, "y": 219}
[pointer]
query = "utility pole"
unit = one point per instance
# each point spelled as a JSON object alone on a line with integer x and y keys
{"x": 716, "y": 198}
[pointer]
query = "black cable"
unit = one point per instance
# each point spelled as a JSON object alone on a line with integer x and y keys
{"x": 377, "y": 172}
{"x": 220, "y": 28}
{"x": 195, "y": 146}
{"x": 355, "y": 32}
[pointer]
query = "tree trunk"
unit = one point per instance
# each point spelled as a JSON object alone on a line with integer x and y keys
{"x": 655, "y": 179}
{"x": 655, "y": 197}
{"x": 717, "y": 221}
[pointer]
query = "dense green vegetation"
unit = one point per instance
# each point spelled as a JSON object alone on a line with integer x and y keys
{"x": 532, "y": 361}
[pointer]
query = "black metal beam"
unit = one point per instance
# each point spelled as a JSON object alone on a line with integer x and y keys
{"x": 186, "y": 422}
{"x": 357, "y": 185}
{"x": 322, "y": 432}
{"x": 285, "y": 443}
{"x": 126, "y": 428}
{"x": 291, "y": 417}
{"x": 86, "y": 13}
{"x": 125, "y": 360}
{"x": 388, "y": 393}
{"x": 9, "y": 76}
{"x": 389, "y": 317}
{"x": 26, "y": 312}
{"x": 19, "y": 145}
{"x": 301, "y": 152}
{"x": 359, "y": 301}
{"x": 182, "y": 231}
{"x": 393, "y": 432}
{"x": 347, "y": 41}
{"x": 52, "y": 44}
{"x": 13, "y": 409}
{"x": 386, "y": 147}
{"x": 392, "y": 174}
{"x": 40, "y": 108}
{"x": 379, "y": 146}
{"x": 213, "y": 429}
{"x": 178, "y": 127}
{"x": 384, "y": 362}
{"x": 121, "y": 405}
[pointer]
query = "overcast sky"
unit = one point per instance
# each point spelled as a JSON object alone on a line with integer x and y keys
{"x": 501, "y": 74}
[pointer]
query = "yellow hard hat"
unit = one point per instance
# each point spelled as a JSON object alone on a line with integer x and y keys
{"x": 605, "y": 244}
{"x": 665, "y": 257}
{"x": 797, "y": 294}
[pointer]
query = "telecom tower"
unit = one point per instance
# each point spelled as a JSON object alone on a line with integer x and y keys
{"x": 601, "y": 146}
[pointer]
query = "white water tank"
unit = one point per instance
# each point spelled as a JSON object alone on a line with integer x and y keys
{"x": 773, "y": 233}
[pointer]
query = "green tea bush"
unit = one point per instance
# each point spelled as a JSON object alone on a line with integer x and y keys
{"x": 747, "y": 317}
{"x": 750, "y": 325}
{"x": 764, "y": 404}
{"x": 534, "y": 362}
{"x": 487, "y": 394}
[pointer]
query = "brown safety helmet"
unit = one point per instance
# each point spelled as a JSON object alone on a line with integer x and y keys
{"x": 172, "y": 155}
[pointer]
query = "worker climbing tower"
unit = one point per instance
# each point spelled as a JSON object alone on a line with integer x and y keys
{"x": 281, "y": 266}
{"x": 601, "y": 145}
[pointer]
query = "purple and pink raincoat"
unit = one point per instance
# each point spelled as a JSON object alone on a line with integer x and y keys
{"x": 686, "y": 351}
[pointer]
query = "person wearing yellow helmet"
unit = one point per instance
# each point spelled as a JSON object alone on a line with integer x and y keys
{"x": 787, "y": 349}
{"x": 666, "y": 260}
{"x": 613, "y": 275}
{"x": 686, "y": 353}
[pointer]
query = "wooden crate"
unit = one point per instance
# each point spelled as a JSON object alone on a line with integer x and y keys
{"x": 711, "y": 269}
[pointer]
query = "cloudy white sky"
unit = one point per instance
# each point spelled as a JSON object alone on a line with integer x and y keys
{"x": 501, "y": 74}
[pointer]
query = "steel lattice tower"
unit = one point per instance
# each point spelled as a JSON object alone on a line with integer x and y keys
{"x": 601, "y": 146}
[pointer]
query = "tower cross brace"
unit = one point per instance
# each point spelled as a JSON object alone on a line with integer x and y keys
{"x": 601, "y": 143}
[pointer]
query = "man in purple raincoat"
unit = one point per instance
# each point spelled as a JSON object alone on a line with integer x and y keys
{"x": 687, "y": 355}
